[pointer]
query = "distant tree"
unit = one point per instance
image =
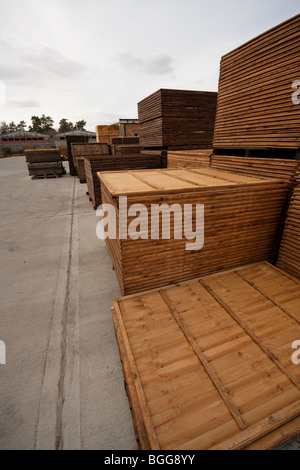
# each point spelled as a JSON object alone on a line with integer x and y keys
{"x": 65, "y": 126}
{"x": 42, "y": 125}
{"x": 80, "y": 125}
{"x": 12, "y": 127}
{"x": 21, "y": 126}
{"x": 4, "y": 127}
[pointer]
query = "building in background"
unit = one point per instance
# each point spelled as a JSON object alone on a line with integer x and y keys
{"x": 60, "y": 140}
{"x": 17, "y": 142}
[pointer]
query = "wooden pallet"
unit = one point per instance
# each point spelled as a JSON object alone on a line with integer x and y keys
{"x": 255, "y": 108}
{"x": 46, "y": 170}
{"x": 241, "y": 219}
{"x": 177, "y": 117}
{"x": 207, "y": 363}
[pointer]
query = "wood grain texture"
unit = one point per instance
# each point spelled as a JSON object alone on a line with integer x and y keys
{"x": 182, "y": 337}
{"x": 177, "y": 117}
{"x": 241, "y": 218}
{"x": 255, "y": 108}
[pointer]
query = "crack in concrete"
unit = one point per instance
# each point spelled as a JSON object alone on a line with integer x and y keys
{"x": 64, "y": 334}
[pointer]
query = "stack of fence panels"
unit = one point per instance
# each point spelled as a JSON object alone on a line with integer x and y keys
{"x": 158, "y": 153}
{"x": 280, "y": 169}
{"x": 289, "y": 253}
{"x": 79, "y": 151}
{"x": 74, "y": 139}
{"x": 241, "y": 217}
{"x": 125, "y": 149}
{"x": 257, "y": 82}
{"x": 125, "y": 140}
{"x": 189, "y": 158}
{"x": 177, "y": 117}
{"x": 94, "y": 164}
{"x": 43, "y": 163}
{"x": 265, "y": 167}
{"x": 207, "y": 362}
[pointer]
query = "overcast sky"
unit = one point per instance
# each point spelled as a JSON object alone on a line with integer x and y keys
{"x": 95, "y": 59}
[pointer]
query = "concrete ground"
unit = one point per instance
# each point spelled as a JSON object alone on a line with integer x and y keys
{"x": 62, "y": 386}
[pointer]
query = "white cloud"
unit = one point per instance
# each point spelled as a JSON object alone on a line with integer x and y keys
{"x": 159, "y": 64}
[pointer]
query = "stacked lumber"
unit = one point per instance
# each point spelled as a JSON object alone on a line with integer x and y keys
{"x": 189, "y": 158}
{"x": 94, "y": 164}
{"x": 125, "y": 149}
{"x": 74, "y": 139}
{"x": 207, "y": 363}
{"x": 63, "y": 149}
{"x": 255, "y": 107}
{"x": 42, "y": 155}
{"x": 125, "y": 140}
{"x": 177, "y": 117}
{"x": 105, "y": 133}
{"x": 43, "y": 163}
{"x": 289, "y": 253}
{"x": 80, "y": 169}
{"x": 264, "y": 167}
{"x": 161, "y": 153}
{"x": 241, "y": 220}
{"x": 88, "y": 149}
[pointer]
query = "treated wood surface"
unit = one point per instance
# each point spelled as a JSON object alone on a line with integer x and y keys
{"x": 281, "y": 169}
{"x": 189, "y": 158}
{"x": 208, "y": 362}
{"x": 70, "y": 140}
{"x": 94, "y": 164}
{"x": 255, "y": 108}
{"x": 177, "y": 117}
{"x": 241, "y": 219}
{"x": 42, "y": 155}
{"x": 289, "y": 253}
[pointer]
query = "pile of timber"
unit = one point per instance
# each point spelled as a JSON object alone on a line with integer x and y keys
{"x": 44, "y": 163}
{"x": 105, "y": 133}
{"x": 63, "y": 150}
{"x": 80, "y": 170}
{"x": 189, "y": 158}
{"x": 207, "y": 363}
{"x": 264, "y": 167}
{"x": 125, "y": 149}
{"x": 240, "y": 223}
{"x": 79, "y": 151}
{"x": 94, "y": 164}
{"x": 177, "y": 117}
{"x": 280, "y": 169}
{"x": 289, "y": 253}
{"x": 158, "y": 153}
{"x": 125, "y": 140}
{"x": 70, "y": 140}
{"x": 255, "y": 107}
